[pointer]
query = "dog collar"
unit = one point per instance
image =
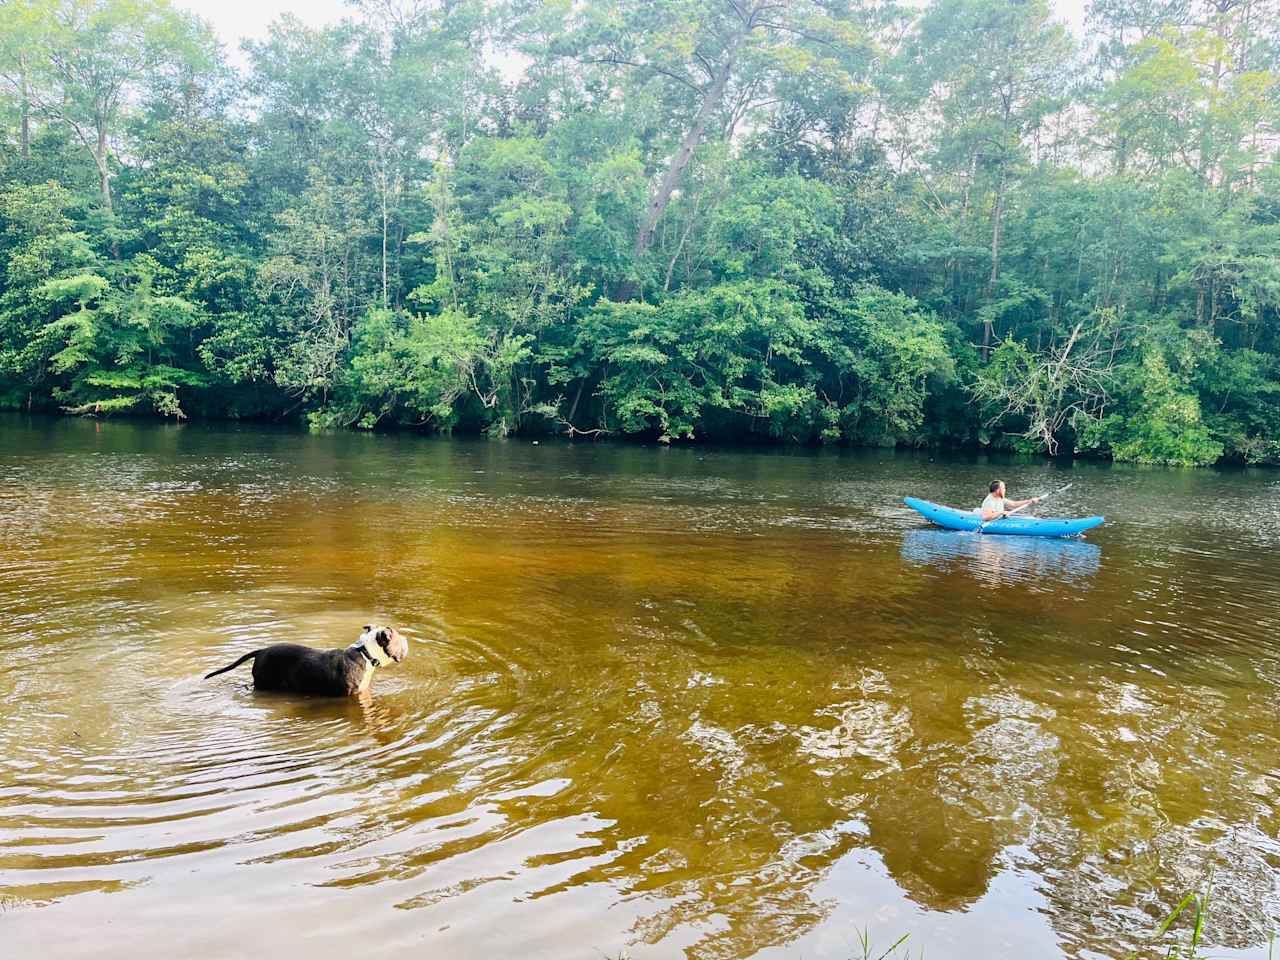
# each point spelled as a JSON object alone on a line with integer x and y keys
{"x": 367, "y": 655}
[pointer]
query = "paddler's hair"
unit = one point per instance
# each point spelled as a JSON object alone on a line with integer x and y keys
{"x": 995, "y": 485}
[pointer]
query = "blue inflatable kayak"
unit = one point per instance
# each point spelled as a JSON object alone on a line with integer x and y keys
{"x": 954, "y": 519}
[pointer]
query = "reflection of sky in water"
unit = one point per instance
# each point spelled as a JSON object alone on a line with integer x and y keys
{"x": 1003, "y": 559}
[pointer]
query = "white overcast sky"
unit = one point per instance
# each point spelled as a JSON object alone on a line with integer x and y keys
{"x": 237, "y": 20}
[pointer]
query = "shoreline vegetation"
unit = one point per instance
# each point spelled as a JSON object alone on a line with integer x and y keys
{"x": 948, "y": 225}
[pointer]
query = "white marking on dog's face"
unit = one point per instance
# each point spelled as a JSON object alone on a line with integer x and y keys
{"x": 385, "y": 644}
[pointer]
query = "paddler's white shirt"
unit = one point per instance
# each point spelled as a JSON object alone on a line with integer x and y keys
{"x": 993, "y": 503}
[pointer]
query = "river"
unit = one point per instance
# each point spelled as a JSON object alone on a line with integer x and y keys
{"x": 659, "y": 703}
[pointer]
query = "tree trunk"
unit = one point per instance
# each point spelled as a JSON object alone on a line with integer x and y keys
{"x": 996, "y": 224}
{"x": 658, "y": 205}
{"x": 957, "y": 294}
{"x": 25, "y": 132}
{"x": 399, "y": 262}
{"x": 1206, "y": 132}
{"x": 104, "y": 172}
{"x": 1207, "y": 145}
{"x": 384, "y": 238}
{"x": 684, "y": 236}
{"x": 573, "y": 408}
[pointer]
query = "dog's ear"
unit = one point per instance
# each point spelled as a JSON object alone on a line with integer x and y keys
{"x": 366, "y": 628}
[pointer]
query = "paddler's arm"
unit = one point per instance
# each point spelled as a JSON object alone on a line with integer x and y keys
{"x": 988, "y": 514}
{"x": 1010, "y": 505}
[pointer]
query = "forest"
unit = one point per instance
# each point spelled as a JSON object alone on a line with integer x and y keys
{"x": 940, "y": 224}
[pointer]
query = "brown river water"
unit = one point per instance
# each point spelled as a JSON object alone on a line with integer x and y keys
{"x": 659, "y": 703}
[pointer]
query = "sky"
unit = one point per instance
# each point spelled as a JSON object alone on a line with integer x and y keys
{"x": 237, "y": 20}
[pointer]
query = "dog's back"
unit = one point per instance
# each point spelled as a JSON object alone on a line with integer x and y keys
{"x": 298, "y": 669}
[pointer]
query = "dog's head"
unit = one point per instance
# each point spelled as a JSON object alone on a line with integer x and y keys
{"x": 385, "y": 644}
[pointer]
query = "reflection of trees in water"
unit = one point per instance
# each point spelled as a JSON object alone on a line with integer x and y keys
{"x": 696, "y": 729}
{"x": 1117, "y": 897}
{"x": 1149, "y": 806}
{"x": 734, "y": 831}
{"x": 939, "y": 851}
{"x": 940, "y": 781}
{"x": 717, "y": 756}
{"x": 715, "y": 792}
{"x": 941, "y": 824}
{"x": 738, "y": 819}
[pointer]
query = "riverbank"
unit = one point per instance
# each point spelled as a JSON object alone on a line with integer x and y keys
{"x": 995, "y": 453}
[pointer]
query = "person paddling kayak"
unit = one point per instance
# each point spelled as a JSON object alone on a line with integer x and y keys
{"x": 997, "y": 505}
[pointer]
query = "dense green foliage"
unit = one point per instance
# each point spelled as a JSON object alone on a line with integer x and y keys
{"x": 818, "y": 220}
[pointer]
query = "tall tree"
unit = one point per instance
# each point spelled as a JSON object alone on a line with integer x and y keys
{"x": 710, "y": 62}
{"x": 84, "y": 63}
{"x": 990, "y": 71}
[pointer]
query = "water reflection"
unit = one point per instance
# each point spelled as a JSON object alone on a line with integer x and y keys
{"x": 1003, "y": 559}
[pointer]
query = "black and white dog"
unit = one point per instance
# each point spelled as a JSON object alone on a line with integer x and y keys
{"x": 294, "y": 668}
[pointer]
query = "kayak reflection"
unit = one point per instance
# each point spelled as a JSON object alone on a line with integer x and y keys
{"x": 1007, "y": 559}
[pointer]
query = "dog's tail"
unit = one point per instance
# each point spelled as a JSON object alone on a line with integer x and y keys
{"x": 231, "y": 666}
